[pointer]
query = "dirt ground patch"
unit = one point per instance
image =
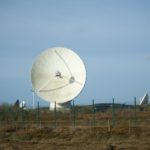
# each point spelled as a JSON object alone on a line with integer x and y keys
{"x": 73, "y": 139}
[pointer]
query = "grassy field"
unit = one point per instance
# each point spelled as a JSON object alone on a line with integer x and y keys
{"x": 30, "y": 130}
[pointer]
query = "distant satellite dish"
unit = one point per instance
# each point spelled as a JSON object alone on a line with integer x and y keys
{"x": 58, "y": 75}
{"x": 144, "y": 100}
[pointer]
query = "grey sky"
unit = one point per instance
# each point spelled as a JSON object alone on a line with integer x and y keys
{"x": 112, "y": 37}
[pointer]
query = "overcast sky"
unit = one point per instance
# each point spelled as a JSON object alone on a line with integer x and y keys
{"x": 111, "y": 36}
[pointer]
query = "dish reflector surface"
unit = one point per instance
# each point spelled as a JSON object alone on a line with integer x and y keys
{"x": 58, "y": 75}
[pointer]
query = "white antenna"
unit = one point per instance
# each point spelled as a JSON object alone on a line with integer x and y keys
{"x": 58, "y": 75}
{"x": 33, "y": 99}
{"x": 33, "y": 96}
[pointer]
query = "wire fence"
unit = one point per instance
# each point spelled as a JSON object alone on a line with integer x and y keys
{"x": 91, "y": 116}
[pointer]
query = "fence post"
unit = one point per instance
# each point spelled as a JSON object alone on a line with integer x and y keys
{"x": 38, "y": 115}
{"x": 129, "y": 126}
{"x": 113, "y": 113}
{"x": 22, "y": 115}
{"x": 55, "y": 115}
{"x": 93, "y": 113}
{"x": 135, "y": 114}
{"x": 74, "y": 115}
{"x": 108, "y": 125}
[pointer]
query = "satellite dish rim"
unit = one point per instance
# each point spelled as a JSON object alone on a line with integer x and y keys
{"x": 84, "y": 70}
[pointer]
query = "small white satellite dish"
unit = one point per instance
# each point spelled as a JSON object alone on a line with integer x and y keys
{"x": 58, "y": 75}
{"x": 144, "y": 100}
{"x": 23, "y": 105}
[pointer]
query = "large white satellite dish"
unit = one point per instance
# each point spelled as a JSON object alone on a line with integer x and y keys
{"x": 58, "y": 75}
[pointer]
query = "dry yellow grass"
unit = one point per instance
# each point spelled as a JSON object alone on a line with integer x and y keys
{"x": 125, "y": 136}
